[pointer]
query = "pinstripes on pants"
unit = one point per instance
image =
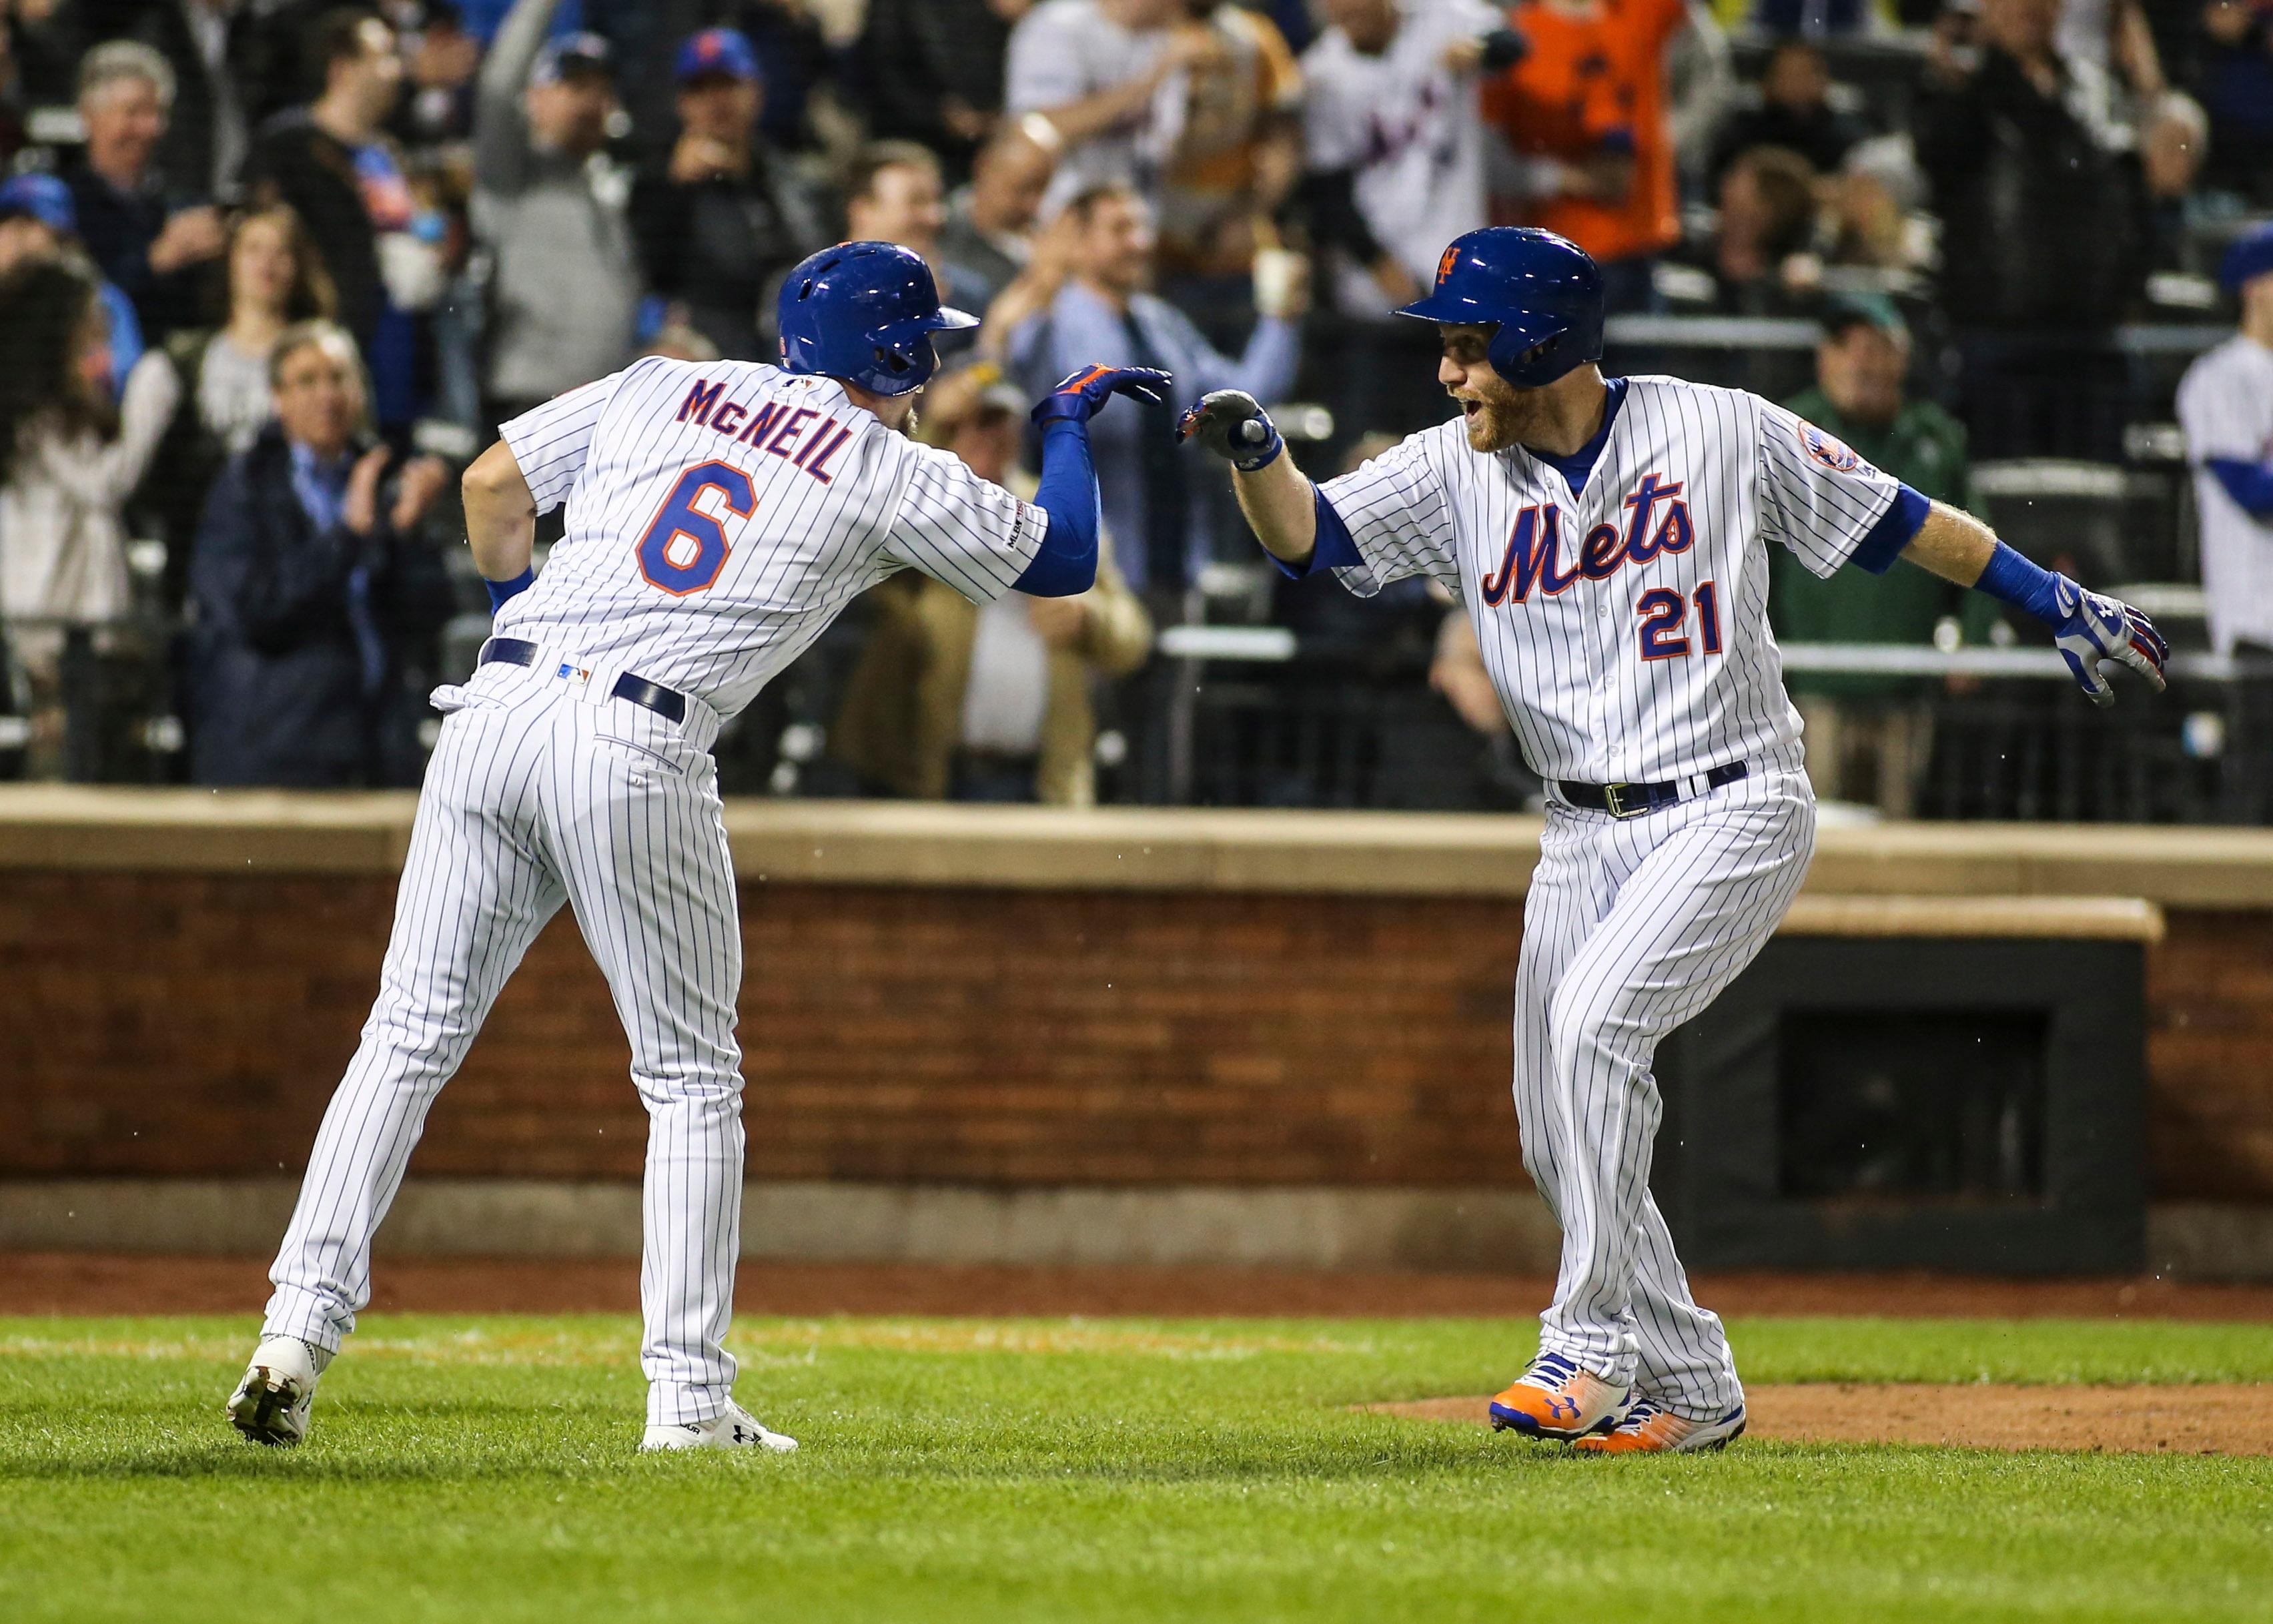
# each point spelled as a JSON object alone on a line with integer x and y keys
{"x": 539, "y": 793}
{"x": 1631, "y": 929}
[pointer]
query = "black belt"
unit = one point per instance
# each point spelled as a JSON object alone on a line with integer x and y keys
{"x": 667, "y": 703}
{"x": 1623, "y": 800}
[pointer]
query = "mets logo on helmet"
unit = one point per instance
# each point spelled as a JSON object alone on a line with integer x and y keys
{"x": 1835, "y": 453}
{"x": 1444, "y": 266}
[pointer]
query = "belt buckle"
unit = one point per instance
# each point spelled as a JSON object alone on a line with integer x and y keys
{"x": 1614, "y": 804}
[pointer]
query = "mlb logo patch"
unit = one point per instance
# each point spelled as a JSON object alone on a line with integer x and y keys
{"x": 579, "y": 674}
{"x": 1835, "y": 453}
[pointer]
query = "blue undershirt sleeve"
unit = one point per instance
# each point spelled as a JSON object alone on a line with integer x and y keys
{"x": 2249, "y": 484}
{"x": 503, "y": 591}
{"x": 1895, "y": 530}
{"x": 1067, "y": 563}
{"x": 1333, "y": 549}
{"x": 2011, "y": 578}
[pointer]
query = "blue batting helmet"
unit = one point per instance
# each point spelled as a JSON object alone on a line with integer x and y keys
{"x": 864, "y": 312}
{"x": 1538, "y": 288}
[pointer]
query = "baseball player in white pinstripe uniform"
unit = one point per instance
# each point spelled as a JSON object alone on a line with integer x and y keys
{"x": 718, "y": 518}
{"x": 1608, "y": 539}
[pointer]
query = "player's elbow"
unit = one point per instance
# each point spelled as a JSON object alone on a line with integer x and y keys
{"x": 492, "y": 478}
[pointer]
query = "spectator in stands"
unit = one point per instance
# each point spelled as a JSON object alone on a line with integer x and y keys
{"x": 1795, "y": 113}
{"x": 565, "y": 290}
{"x": 233, "y": 63}
{"x": 1762, "y": 251}
{"x": 2040, "y": 207}
{"x": 931, "y": 71}
{"x": 2174, "y": 141}
{"x": 897, "y": 193}
{"x": 1237, "y": 150}
{"x": 950, "y": 700}
{"x": 988, "y": 236}
{"x": 2113, "y": 36}
{"x": 69, "y": 459}
{"x": 1867, "y": 740}
{"x": 276, "y": 278}
{"x": 332, "y": 163}
{"x": 314, "y": 588}
{"x": 2225, "y": 405}
{"x": 794, "y": 58}
{"x": 1108, "y": 79}
{"x": 1393, "y": 152}
{"x": 1586, "y": 112}
{"x": 440, "y": 63}
{"x": 716, "y": 225}
{"x": 40, "y": 220}
{"x": 146, "y": 236}
{"x": 2237, "y": 85}
{"x": 1103, "y": 313}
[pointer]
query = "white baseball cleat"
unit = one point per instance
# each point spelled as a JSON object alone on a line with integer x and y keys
{"x": 734, "y": 1428}
{"x": 271, "y": 1405}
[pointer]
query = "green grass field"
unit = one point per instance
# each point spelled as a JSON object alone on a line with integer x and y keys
{"x": 484, "y": 1468}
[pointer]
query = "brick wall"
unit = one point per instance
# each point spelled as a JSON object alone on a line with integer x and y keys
{"x": 184, "y": 1024}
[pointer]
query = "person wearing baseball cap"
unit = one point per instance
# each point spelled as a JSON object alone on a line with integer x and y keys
{"x": 718, "y": 222}
{"x": 552, "y": 208}
{"x": 2225, "y": 406}
{"x": 1867, "y": 738}
{"x": 40, "y": 220}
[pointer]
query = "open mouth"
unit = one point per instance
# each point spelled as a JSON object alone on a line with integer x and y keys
{"x": 1468, "y": 408}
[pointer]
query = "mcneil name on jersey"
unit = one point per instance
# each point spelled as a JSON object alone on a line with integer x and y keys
{"x": 774, "y": 428}
{"x": 1534, "y": 548}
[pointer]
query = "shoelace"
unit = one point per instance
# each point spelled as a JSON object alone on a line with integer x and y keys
{"x": 1550, "y": 1370}
{"x": 1642, "y": 1413}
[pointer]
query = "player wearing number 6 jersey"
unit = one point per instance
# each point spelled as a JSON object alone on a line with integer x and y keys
{"x": 1608, "y": 540}
{"x": 718, "y": 518}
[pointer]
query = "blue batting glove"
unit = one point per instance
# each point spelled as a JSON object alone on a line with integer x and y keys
{"x": 2092, "y": 628}
{"x": 1080, "y": 397}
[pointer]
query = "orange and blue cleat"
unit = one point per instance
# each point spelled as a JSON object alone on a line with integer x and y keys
{"x": 1648, "y": 1430}
{"x": 1555, "y": 1399}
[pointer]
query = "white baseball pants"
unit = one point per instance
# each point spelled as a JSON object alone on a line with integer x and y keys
{"x": 543, "y": 790}
{"x": 1631, "y": 927}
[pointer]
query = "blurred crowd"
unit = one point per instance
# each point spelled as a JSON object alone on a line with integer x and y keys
{"x": 271, "y": 271}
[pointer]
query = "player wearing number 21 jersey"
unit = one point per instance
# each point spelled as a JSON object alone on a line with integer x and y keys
{"x": 1609, "y": 537}
{"x": 718, "y": 518}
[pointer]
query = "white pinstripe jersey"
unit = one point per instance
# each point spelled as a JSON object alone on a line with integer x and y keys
{"x": 720, "y": 514}
{"x": 2226, "y": 405}
{"x": 1625, "y": 624}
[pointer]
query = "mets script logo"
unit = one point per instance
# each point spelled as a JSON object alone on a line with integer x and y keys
{"x": 1534, "y": 557}
{"x": 1835, "y": 454}
{"x": 1444, "y": 266}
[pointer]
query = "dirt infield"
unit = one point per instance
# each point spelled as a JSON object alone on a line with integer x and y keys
{"x": 101, "y": 1283}
{"x": 2228, "y": 1420}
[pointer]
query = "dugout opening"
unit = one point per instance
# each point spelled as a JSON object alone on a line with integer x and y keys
{"x": 1903, "y": 1100}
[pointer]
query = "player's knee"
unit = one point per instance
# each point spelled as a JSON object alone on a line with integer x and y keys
{"x": 1588, "y": 1031}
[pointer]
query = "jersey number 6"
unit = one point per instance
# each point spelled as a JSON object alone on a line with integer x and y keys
{"x": 1664, "y": 611}
{"x": 684, "y": 548}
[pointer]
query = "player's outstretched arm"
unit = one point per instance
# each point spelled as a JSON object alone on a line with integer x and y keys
{"x": 1066, "y": 565}
{"x": 1281, "y": 505}
{"x": 2087, "y": 626}
{"x": 500, "y": 522}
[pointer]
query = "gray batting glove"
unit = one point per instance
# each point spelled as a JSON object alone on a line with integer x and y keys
{"x": 1232, "y": 423}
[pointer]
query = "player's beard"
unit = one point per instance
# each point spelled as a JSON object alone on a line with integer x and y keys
{"x": 1502, "y": 416}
